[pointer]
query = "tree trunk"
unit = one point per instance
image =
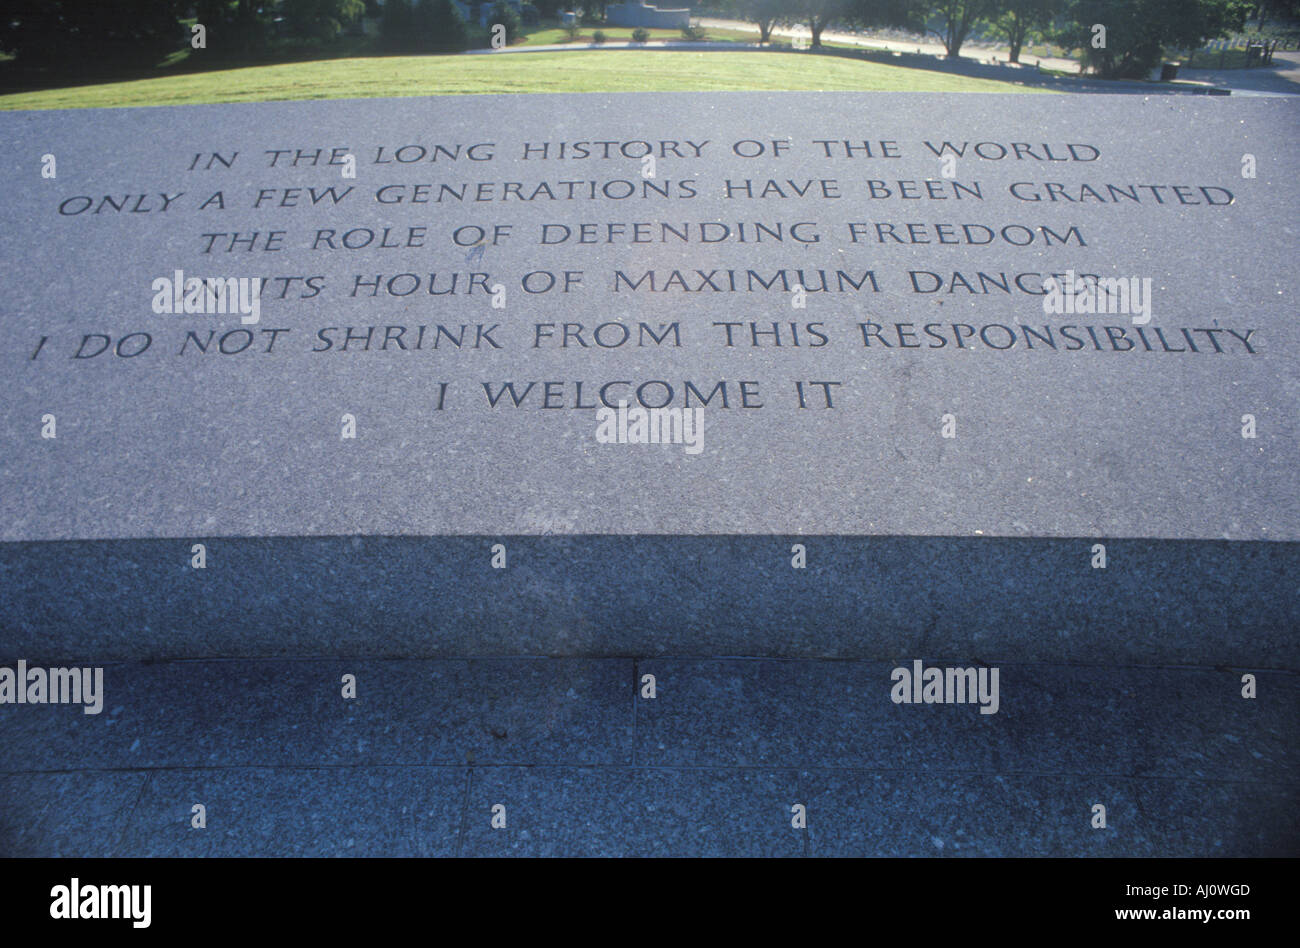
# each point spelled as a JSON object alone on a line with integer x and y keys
{"x": 817, "y": 26}
{"x": 958, "y": 30}
{"x": 956, "y": 38}
{"x": 1018, "y": 31}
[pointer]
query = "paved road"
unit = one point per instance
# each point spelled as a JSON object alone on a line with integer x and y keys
{"x": 1282, "y": 77}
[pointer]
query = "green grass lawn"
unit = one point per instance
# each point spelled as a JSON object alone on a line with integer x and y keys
{"x": 1213, "y": 59}
{"x": 577, "y": 71}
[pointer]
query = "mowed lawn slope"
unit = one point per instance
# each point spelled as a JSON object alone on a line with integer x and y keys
{"x": 577, "y": 71}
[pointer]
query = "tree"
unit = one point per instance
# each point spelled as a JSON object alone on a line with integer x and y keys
{"x": 959, "y": 18}
{"x": 1020, "y": 18}
{"x": 594, "y": 10}
{"x": 81, "y": 35}
{"x": 1266, "y": 10}
{"x": 508, "y": 17}
{"x": 320, "y": 19}
{"x": 439, "y": 27}
{"x": 235, "y": 28}
{"x": 765, "y": 14}
{"x": 905, "y": 14}
{"x": 396, "y": 27}
{"x": 1136, "y": 33}
{"x": 818, "y": 14}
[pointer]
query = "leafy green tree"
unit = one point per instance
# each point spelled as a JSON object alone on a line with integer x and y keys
{"x": 1266, "y": 10}
{"x": 765, "y": 14}
{"x": 235, "y": 28}
{"x": 439, "y": 27}
{"x": 1137, "y": 32}
{"x": 396, "y": 27}
{"x": 320, "y": 19}
{"x": 83, "y": 35}
{"x": 959, "y": 19}
{"x": 1018, "y": 20}
{"x": 508, "y": 17}
{"x": 908, "y": 14}
{"x": 818, "y": 14}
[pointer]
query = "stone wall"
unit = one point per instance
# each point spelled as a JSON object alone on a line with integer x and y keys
{"x": 639, "y": 14}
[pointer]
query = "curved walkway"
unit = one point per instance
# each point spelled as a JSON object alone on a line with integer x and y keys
{"x": 985, "y": 61}
{"x": 1024, "y": 74}
{"x": 1281, "y": 77}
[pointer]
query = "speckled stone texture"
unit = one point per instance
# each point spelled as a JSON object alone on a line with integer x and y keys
{"x": 1090, "y": 439}
{"x": 1203, "y": 602}
{"x": 518, "y": 690}
{"x": 712, "y": 765}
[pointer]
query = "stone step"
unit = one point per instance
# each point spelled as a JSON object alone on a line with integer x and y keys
{"x": 1200, "y": 602}
{"x": 584, "y": 765}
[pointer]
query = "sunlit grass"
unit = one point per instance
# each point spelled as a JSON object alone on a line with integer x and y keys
{"x": 576, "y": 71}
